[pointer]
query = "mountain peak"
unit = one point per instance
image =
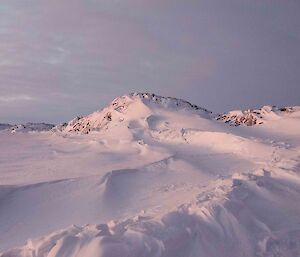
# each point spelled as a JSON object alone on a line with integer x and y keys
{"x": 153, "y": 100}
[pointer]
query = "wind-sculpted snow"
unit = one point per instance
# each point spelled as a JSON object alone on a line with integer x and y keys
{"x": 247, "y": 215}
{"x": 152, "y": 176}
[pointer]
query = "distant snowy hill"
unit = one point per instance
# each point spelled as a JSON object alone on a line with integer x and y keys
{"x": 5, "y": 126}
{"x": 257, "y": 116}
{"x": 27, "y": 127}
{"x": 153, "y": 176}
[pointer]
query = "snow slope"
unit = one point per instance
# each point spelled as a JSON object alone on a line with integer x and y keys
{"x": 152, "y": 176}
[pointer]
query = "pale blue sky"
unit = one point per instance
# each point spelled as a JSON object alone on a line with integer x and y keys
{"x": 62, "y": 58}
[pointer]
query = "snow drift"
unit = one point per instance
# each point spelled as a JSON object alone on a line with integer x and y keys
{"x": 153, "y": 176}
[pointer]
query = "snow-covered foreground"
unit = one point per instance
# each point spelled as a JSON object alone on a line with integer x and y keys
{"x": 151, "y": 176}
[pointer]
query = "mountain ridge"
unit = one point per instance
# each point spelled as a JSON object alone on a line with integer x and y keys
{"x": 118, "y": 109}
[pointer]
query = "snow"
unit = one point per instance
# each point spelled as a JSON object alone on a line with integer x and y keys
{"x": 129, "y": 109}
{"x": 152, "y": 176}
{"x": 27, "y": 127}
{"x": 5, "y": 126}
{"x": 258, "y": 116}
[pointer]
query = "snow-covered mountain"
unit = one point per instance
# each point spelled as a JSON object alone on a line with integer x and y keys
{"x": 129, "y": 108}
{"x": 154, "y": 176}
{"x": 137, "y": 107}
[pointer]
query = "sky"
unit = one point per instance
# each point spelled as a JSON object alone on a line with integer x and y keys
{"x": 63, "y": 58}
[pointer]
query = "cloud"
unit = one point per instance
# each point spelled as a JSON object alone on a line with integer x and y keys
{"x": 238, "y": 54}
{"x": 16, "y": 98}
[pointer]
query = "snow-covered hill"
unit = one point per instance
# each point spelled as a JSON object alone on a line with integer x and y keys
{"x": 27, "y": 127}
{"x": 153, "y": 176}
{"x": 5, "y": 126}
{"x": 30, "y": 127}
{"x": 127, "y": 108}
{"x": 257, "y": 116}
{"x": 137, "y": 107}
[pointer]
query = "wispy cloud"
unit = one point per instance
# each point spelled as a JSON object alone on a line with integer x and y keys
{"x": 16, "y": 98}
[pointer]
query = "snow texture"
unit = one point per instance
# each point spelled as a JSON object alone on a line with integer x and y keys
{"x": 152, "y": 176}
